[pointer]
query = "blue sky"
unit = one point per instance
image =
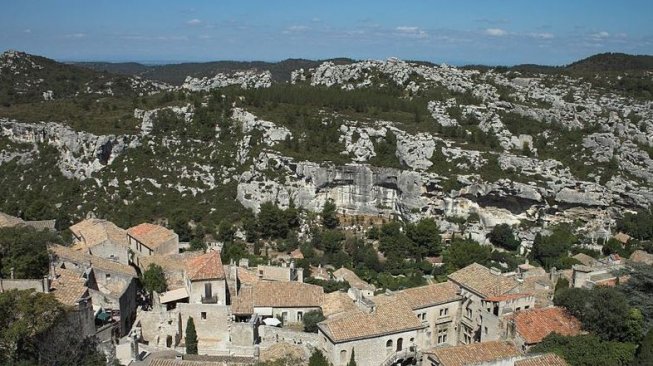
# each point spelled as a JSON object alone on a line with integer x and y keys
{"x": 457, "y": 32}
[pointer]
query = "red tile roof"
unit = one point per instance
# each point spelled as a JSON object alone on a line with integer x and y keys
{"x": 150, "y": 234}
{"x": 482, "y": 280}
{"x": 548, "y": 359}
{"x": 205, "y": 267}
{"x": 473, "y": 354}
{"x": 535, "y": 324}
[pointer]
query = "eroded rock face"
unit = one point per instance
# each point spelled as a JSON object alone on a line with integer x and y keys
{"x": 244, "y": 79}
{"x": 81, "y": 153}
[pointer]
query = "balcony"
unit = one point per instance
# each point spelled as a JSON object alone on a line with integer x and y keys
{"x": 210, "y": 300}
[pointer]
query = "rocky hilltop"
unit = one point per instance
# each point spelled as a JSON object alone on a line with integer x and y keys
{"x": 471, "y": 147}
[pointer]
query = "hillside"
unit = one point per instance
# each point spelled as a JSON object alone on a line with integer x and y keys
{"x": 382, "y": 139}
{"x": 175, "y": 74}
{"x": 619, "y": 62}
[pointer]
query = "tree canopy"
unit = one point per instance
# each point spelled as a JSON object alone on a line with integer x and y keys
{"x": 25, "y": 250}
{"x": 587, "y": 350}
{"x": 502, "y": 236}
{"x": 311, "y": 319}
{"x": 154, "y": 279}
{"x": 551, "y": 250}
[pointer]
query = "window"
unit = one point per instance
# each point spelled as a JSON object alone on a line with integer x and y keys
{"x": 203, "y": 315}
{"x": 467, "y": 334}
{"x": 442, "y": 335}
{"x": 107, "y": 276}
{"x": 300, "y": 315}
{"x": 284, "y": 316}
{"x": 388, "y": 346}
{"x": 468, "y": 312}
{"x": 444, "y": 312}
{"x": 343, "y": 356}
{"x": 526, "y": 307}
{"x": 486, "y": 331}
{"x": 518, "y": 308}
{"x": 208, "y": 290}
{"x": 400, "y": 344}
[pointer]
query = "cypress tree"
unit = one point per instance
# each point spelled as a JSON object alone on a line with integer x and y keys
{"x": 352, "y": 359}
{"x": 191, "y": 337}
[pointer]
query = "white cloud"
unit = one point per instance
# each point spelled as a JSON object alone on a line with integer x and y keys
{"x": 410, "y": 31}
{"x": 495, "y": 32}
{"x": 602, "y": 34}
{"x": 544, "y": 35}
{"x": 27, "y": 30}
{"x": 194, "y": 22}
{"x": 295, "y": 29}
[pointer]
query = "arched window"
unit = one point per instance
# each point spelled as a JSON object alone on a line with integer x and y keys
{"x": 400, "y": 344}
{"x": 343, "y": 356}
{"x": 388, "y": 346}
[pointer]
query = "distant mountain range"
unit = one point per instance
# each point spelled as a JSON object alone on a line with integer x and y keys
{"x": 176, "y": 73}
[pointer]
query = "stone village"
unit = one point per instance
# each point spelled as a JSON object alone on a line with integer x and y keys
{"x": 245, "y": 314}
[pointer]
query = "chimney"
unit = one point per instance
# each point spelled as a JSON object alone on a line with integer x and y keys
{"x": 12, "y": 273}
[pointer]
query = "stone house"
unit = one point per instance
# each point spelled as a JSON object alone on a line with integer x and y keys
{"x": 205, "y": 279}
{"x": 71, "y": 290}
{"x": 382, "y": 334}
{"x": 477, "y": 283}
{"x": 497, "y": 308}
{"x": 530, "y": 327}
{"x": 149, "y": 239}
{"x": 438, "y": 307}
{"x": 112, "y": 285}
{"x": 280, "y": 273}
{"x": 286, "y": 300}
{"x": 358, "y": 288}
{"x": 101, "y": 238}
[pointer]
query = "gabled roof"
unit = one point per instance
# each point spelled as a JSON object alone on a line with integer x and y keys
{"x": 482, "y": 281}
{"x": 387, "y": 318}
{"x": 243, "y": 303}
{"x": 95, "y": 231}
{"x": 430, "y": 295}
{"x": 85, "y": 260}
{"x": 336, "y": 303}
{"x": 287, "y": 294}
{"x": 507, "y": 297}
{"x": 205, "y": 267}
{"x": 151, "y": 235}
{"x": 473, "y": 354}
{"x": 68, "y": 287}
{"x": 547, "y": 359}
{"x": 535, "y": 324}
{"x": 351, "y": 277}
{"x": 585, "y": 259}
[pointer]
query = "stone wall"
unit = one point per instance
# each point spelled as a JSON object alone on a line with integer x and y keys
{"x": 370, "y": 351}
{"x": 40, "y": 285}
{"x": 212, "y": 323}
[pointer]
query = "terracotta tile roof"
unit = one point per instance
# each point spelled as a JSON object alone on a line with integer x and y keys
{"x": 205, "y": 267}
{"x": 69, "y": 287}
{"x": 507, "y": 297}
{"x": 387, "y": 318}
{"x": 151, "y": 235}
{"x": 83, "y": 259}
{"x": 640, "y": 256}
{"x": 246, "y": 277}
{"x": 430, "y": 295}
{"x": 547, "y": 359}
{"x": 173, "y": 266}
{"x": 287, "y": 294}
{"x": 336, "y": 303}
{"x": 535, "y": 324}
{"x": 297, "y": 254}
{"x": 94, "y": 231}
{"x": 243, "y": 303}
{"x": 9, "y": 221}
{"x": 472, "y": 354}
{"x": 351, "y": 277}
{"x": 481, "y": 280}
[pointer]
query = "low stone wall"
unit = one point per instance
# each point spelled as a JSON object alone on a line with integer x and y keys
{"x": 270, "y": 335}
{"x": 36, "y": 284}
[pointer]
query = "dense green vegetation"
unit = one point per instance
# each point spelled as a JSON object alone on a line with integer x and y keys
{"x": 24, "y": 249}
{"x": 553, "y": 250}
{"x": 311, "y": 319}
{"x": 154, "y": 279}
{"x": 33, "y": 331}
{"x": 587, "y": 350}
{"x": 191, "y": 337}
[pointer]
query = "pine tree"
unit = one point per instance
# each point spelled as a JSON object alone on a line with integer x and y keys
{"x": 191, "y": 337}
{"x": 352, "y": 359}
{"x": 317, "y": 359}
{"x": 644, "y": 355}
